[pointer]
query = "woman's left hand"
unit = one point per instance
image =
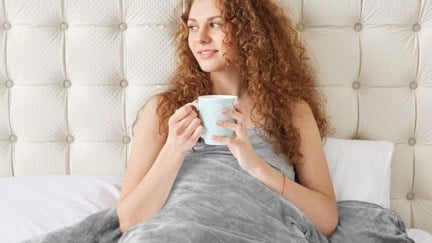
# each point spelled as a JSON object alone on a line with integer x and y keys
{"x": 239, "y": 144}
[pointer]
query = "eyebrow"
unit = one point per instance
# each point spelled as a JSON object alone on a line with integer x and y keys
{"x": 210, "y": 18}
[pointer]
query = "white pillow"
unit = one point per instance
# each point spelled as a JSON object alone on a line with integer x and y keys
{"x": 30, "y": 206}
{"x": 419, "y": 236}
{"x": 360, "y": 169}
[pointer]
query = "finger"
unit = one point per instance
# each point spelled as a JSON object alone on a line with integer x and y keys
{"x": 184, "y": 123}
{"x": 194, "y": 105}
{"x": 182, "y": 112}
{"x": 230, "y": 126}
{"x": 197, "y": 134}
{"x": 222, "y": 139}
{"x": 233, "y": 114}
{"x": 193, "y": 125}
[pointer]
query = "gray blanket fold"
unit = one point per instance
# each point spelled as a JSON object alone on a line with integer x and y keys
{"x": 214, "y": 200}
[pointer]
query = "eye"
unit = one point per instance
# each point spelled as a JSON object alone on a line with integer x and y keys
{"x": 215, "y": 24}
{"x": 192, "y": 27}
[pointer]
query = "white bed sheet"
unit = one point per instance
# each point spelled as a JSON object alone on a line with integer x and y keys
{"x": 30, "y": 206}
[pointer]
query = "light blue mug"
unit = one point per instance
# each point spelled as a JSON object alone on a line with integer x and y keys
{"x": 210, "y": 109}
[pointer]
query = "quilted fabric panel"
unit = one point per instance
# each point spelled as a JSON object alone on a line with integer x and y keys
{"x": 335, "y": 71}
{"x": 93, "y": 55}
{"x": 95, "y": 113}
{"x": 426, "y": 14}
{"x": 47, "y": 158}
{"x": 164, "y": 13}
{"x": 339, "y": 12}
{"x": 424, "y": 117}
{"x": 402, "y": 175}
{"x": 30, "y": 122}
{"x": 3, "y": 72}
{"x": 343, "y": 115}
{"x": 5, "y": 158}
{"x": 2, "y": 13}
{"x": 422, "y": 171}
{"x": 425, "y": 58}
{"x": 391, "y": 12}
{"x": 381, "y": 106}
{"x": 422, "y": 204}
{"x": 403, "y": 208}
{"x": 92, "y": 13}
{"x": 402, "y": 171}
{"x": 156, "y": 48}
{"x": 98, "y": 159}
{"x": 422, "y": 211}
{"x": 389, "y": 56}
{"x": 33, "y": 13}
{"x": 4, "y": 111}
{"x": 34, "y": 55}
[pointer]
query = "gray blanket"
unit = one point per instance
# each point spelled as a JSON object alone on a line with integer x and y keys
{"x": 214, "y": 200}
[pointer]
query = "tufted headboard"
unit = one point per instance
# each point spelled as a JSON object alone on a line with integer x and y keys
{"x": 73, "y": 74}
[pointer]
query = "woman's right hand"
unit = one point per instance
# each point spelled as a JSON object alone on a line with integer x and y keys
{"x": 184, "y": 128}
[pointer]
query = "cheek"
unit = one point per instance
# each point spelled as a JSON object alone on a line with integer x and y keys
{"x": 191, "y": 48}
{"x": 220, "y": 37}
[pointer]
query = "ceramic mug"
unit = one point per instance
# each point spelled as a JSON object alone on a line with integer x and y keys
{"x": 210, "y": 111}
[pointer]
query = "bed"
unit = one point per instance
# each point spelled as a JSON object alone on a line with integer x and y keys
{"x": 73, "y": 75}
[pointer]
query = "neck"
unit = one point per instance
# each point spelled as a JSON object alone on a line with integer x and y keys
{"x": 225, "y": 83}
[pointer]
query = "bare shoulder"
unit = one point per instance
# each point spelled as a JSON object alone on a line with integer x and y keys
{"x": 302, "y": 115}
{"x": 147, "y": 115}
{"x": 300, "y": 106}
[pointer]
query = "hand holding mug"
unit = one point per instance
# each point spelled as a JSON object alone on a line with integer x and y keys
{"x": 184, "y": 128}
{"x": 239, "y": 144}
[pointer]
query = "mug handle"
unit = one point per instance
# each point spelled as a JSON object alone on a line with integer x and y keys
{"x": 195, "y": 104}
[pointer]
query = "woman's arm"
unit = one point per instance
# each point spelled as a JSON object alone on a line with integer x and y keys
{"x": 154, "y": 163}
{"x": 314, "y": 195}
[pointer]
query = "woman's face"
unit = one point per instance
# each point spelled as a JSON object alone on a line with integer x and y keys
{"x": 206, "y": 35}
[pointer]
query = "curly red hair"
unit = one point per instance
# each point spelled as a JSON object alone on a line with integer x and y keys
{"x": 274, "y": 71}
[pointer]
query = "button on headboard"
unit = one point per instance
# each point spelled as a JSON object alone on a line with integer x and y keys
{"x": 73, "y": 75}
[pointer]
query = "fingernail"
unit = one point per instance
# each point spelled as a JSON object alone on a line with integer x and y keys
{"x": 224, "y": 110}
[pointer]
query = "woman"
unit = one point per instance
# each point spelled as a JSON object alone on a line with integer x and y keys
{"x": 243, "y": 48}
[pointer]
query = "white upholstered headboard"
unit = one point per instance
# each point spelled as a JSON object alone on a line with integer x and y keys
{"x": 73, "y": 74}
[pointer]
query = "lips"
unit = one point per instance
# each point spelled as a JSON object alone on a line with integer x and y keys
{"x": 206, "y": 54}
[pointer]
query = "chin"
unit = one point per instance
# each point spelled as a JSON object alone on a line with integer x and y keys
{"x": 211, "y": 69}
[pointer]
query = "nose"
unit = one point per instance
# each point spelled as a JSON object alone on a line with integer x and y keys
{"x": 203, "y": 36}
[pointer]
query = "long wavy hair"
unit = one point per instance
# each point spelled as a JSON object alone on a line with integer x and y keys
{"x": 274, "y": 72}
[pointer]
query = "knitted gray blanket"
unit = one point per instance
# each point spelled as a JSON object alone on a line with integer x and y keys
{"x": 214, "y": 200}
